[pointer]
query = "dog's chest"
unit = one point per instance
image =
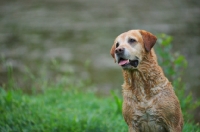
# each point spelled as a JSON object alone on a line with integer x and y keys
{"x": 144, "y": 116}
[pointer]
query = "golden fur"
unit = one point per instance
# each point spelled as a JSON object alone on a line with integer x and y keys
{"x": 149, "y": 101}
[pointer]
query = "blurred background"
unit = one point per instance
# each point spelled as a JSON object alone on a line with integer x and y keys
{"x": 78, "y": 34}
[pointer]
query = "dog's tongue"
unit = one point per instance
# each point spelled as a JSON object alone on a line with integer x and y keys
{"x": 122, "y": 62}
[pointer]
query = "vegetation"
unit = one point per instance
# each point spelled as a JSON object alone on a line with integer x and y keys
{"x": 59, "y": 109}
{"x": 66, "y": 105}
{"x": 173, "y": 65}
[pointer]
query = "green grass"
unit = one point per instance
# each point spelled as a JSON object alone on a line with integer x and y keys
{"x": 59, "y": 110}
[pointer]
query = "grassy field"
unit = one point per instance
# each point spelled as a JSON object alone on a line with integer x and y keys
{"x": 62, "y": 110}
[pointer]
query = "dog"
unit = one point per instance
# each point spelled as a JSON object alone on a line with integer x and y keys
{"x": 149, "y": 101}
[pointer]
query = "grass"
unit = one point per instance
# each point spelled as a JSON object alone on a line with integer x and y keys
{"x": 58, "y": 109}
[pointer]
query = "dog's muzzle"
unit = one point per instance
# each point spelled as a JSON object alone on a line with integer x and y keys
{"x": 123, "y": 59}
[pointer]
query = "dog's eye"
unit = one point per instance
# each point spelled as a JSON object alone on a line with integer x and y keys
{"x": 117, "y": 44}
{"x": 131, "y": 40}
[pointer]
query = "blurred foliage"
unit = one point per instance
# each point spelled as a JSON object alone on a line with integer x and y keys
{"x": 174, "y": 65}
{"x": 59, "y": 109}
{"x": 70, "y": 104}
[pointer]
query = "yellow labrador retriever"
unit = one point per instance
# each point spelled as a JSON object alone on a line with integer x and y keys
{"x": 149, "y": 101}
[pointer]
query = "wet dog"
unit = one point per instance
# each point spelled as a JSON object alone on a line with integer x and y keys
{"x": 149, "y": 101}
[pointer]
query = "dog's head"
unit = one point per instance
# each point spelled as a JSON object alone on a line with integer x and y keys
{"x": 130, "y": 47}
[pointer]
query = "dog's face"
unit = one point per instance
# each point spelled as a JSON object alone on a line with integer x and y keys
{"x": 130, "y": 47}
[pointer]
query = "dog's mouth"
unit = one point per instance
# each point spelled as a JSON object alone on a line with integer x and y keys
{"x": 134, "y": 62}
{"x": 125, "y": 62}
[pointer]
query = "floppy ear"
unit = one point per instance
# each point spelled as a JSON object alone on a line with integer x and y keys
{"x": 112, "y": 52}
{"x": 148, "y": 39}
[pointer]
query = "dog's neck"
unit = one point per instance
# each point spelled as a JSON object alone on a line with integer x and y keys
{"x": 148, "y": 79}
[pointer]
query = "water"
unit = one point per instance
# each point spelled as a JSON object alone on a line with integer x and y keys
{"x": 78, "y": 32}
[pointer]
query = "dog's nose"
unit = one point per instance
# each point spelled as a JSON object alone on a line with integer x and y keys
{"x": 119, "y": 50}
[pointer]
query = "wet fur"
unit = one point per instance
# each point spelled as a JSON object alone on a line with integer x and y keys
{"x": 149, "y": 101}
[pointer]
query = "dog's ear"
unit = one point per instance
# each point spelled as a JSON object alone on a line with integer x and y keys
{"x": 112, "y": 51}
{"x": 148, "y": 39}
